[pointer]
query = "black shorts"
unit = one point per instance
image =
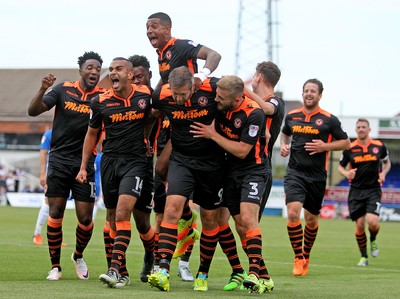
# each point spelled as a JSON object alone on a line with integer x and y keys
{"x": 267, "y": 191}
{"x": 159, "y": 194}
{"x": 121, "y": 176}
{"x": 246, "y": 188}
{"x": 205, "y": 185}
{"x": 363, "y": 201}
{"x": 61, "y": 181}
{"x": 310, "y": 193}
{"x": 144, "y": 203}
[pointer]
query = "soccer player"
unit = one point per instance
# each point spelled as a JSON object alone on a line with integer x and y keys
{"x": 307, "y": 136}
{"x": 264, "y": 80}
{"x": 369, "y": 164}
{"x": 195, "y": 166}
{"x": 240, "y": 130}
{"x": 122, "y": 113}
{"x": 173, "y": 52}
{"x": 71, "y": 101}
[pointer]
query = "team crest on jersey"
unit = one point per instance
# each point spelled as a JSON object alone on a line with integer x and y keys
{"x": 168, "y": 55}
{"x": 237, "y": 123}
{"x": 142, "y": 104}
{"x": 193, "y": 43}
{"x": 203, "y": 101}
{"x": 253, "y": 130}
{"x": 319, "y": 121}
{"x": 375, "y": 150}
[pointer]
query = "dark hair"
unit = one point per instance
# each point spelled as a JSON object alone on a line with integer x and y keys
{"x": 269, "y": 71}
{"x": 89, "y": 55}
{"x": 315, "y": 81}
{"x": 164, "y": 18}
{"x": 363, "y": 120}
{"x": 181, "y": 76}
{"x": 129, "y": 65}
{"x": 139, "y": 60}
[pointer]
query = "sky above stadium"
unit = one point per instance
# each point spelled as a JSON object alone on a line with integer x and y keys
{"x": 351, "y": 46}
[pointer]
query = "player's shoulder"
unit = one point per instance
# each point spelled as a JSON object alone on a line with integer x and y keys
{"x": 73, "y": 84}
{"x": 295, "y": 111}
{"x": 162, "y": 93}
{"x": 107, "y": 94}
{"x": 142, "y": 89}
{"x": 376, "y": 142}
{"x": 183, "y": 42}
{"x": 250, "y": 106}
{"x": 276, "y": 101}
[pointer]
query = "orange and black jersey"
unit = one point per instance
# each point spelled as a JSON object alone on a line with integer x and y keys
{"x": 71, "y": 116}
{"x": 304, "y": 128}
{"x": 367, "y": 159}
{"x": 163, "y": 133}
{"x": 245, "y": 124}
{"x": 201, "y": 107}
{"x": 274, "y": 122}
{"x": 176, "y": 53}
{"x": 123, "y": 121}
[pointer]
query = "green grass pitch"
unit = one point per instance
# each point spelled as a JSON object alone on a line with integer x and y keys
{"x": 332, "y": 273}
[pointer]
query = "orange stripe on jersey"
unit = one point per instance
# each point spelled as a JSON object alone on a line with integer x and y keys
{"x": 206, "y": 85}
{"x": 190, "y": 65}
{"x": 188, "y": 103}
{"x": 296, "y": 111}
{"x": 141, "y": 88}
{"x": 110, "y": 93}
{"x": 169, "y": 43}
{"x": 165, "y": 92}
{"x": 97, "y": 89}
{"x": 247, "y": 106}
{"x": 326, "y": 161}
{"x": 257, "y": 147}
{"x": 324, "y": 112}
{"x": 229, "y": 114}
{"x": 319, "y": 110}
{"x": 330, "y": 137}
{"x": 354, "y": 143}
{"x": 376, "y": 142}
{"x": 76, "y": 85}
{"x": 365, "y": 147}
{"x": 269, "y": 124}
